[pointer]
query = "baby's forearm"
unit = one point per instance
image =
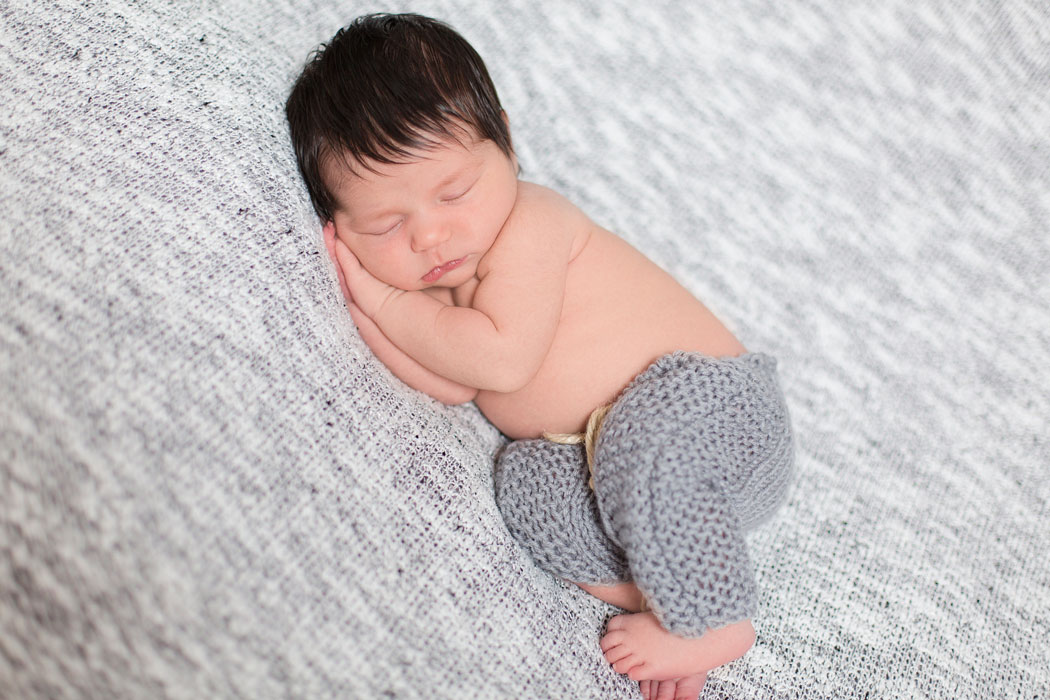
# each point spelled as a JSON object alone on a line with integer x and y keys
{"x": 459, "y": 343}
{"x": 405, "y": 368}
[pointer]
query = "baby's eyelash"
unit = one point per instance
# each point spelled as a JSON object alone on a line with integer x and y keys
{"x": 388, "y": 229}
{"x": 462, "y": 194}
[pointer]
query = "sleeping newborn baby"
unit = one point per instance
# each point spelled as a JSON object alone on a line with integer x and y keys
{"x": 472, "y": 285}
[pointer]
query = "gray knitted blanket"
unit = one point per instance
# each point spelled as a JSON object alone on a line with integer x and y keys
{"x": 209, "y": 487}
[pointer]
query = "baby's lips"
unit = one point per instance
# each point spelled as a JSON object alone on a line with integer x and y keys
{"x": 436, "y": 273}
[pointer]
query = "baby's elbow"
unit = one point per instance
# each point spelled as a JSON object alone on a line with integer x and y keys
{"x": 511, "y": 375}
{"x": 454, "y": 396}
{"x": 505, "y": 384}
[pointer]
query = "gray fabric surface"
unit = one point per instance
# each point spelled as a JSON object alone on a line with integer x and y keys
{"x": 210, "y": 488}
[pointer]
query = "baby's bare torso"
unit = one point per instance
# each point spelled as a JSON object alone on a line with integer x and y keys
{"x": 620, "y": 313}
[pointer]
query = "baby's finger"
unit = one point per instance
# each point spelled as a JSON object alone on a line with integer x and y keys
{"x": 329, "y": 244}
{"x": 347, "y": 260}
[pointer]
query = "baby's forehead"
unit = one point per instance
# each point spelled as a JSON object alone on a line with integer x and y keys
{"x": 433, "y": 167}
{"x": 411, "y": 146}
{"x": 436, "y": 151}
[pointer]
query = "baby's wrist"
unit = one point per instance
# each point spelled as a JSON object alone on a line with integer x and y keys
{"x": 386, "y": 301}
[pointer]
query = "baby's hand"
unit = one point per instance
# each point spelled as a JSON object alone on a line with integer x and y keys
{"x": 358, "y": 285}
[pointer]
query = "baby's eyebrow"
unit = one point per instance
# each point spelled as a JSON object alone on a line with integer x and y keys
{"x": 368, "y": 216}
{"x": 365, "y": 224}
{"x": 457, "y": 174}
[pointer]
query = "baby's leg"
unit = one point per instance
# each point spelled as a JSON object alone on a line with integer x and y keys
{"x": 541, "y": 490}
{"x": 690, "y": 558}
{"x": 622, "y": 595}
{"x": 628, "y": 597}
{"x": 674, "y": 466}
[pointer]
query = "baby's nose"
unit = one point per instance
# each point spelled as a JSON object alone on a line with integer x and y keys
{"x": 426, "y": 237}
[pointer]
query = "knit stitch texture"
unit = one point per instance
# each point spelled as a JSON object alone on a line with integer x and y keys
{"x": 542, "y": 493}
{"x": 694, "y": 451}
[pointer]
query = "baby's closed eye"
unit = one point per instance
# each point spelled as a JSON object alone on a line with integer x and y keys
{"x": 385, "y": 229}
{"x": 453, "y": 198}
{"x": 459, "y": 193}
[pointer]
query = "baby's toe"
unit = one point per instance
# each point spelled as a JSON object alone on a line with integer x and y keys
{"x": 612, "y": 639}
{"x": 617, "y": 654}
{"x": 665, "y": 690}
{"x": 689, "y": 688}
{"x": 626, "y": 665}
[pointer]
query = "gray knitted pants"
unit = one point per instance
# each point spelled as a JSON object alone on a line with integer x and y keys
{"x": 694, "y": 452}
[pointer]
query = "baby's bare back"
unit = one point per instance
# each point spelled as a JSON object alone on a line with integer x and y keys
{"x": 621, "y": 312}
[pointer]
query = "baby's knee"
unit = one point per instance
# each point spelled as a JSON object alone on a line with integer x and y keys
{"x": 533, "y": 471}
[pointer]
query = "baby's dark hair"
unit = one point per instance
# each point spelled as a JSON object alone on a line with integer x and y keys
{"x": 384, "y": 87}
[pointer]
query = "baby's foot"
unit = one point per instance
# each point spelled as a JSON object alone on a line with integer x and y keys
{"x": 638, "y": 646}
{"x": 687, "y": 688}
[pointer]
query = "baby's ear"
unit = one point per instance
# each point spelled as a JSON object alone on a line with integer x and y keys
{"x": 329, "y": 238}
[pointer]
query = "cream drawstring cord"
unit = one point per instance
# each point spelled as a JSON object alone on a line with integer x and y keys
{"x": 589, "y": 438}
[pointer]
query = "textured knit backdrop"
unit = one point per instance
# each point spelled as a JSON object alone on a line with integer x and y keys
{"x": 210, "y": 488}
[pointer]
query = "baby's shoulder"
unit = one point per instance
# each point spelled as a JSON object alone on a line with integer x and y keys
{"x": 543, "y": 227}
{"x": 536, "y": 202}
{"x": 541, "y": 213}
